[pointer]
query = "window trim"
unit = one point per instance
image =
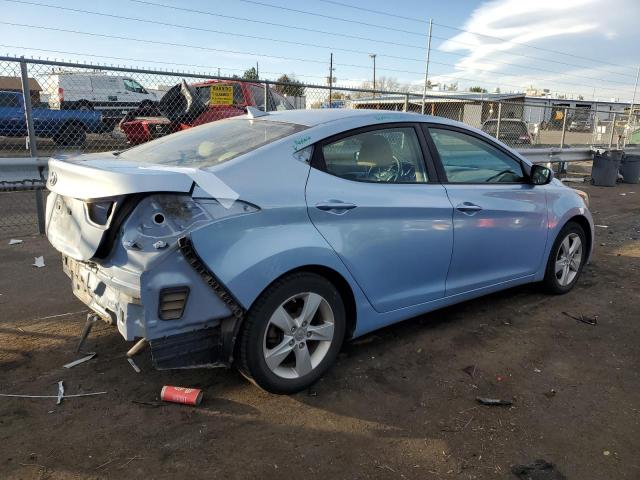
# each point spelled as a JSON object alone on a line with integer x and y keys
{"x": 442, "y": 174}
{"x": 318, "y": 162}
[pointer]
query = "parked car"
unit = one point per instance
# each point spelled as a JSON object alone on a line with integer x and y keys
{"x": 68, "y": 128}
{"x": 186, "y": 106}
{"x": 512, "y": 132}
{"x": 264, "y": 241}
{"x": 111, "y": 95}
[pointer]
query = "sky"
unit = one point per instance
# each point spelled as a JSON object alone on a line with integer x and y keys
{"x": 571, "y": 47}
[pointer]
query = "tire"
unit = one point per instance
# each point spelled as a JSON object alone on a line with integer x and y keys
{"x": 281, "y": 349}
{"x": 563, "y": 271}
{"x": 84, "y": 106}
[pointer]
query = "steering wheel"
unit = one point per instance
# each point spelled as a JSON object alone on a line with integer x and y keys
{"x": 499, "y": 174}
{"x": 394, "y": 170}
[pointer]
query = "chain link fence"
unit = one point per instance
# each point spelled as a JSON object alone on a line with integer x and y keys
{"x": 77, "y": 108}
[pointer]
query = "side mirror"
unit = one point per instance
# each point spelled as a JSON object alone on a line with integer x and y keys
{"x": 540, "y": 175}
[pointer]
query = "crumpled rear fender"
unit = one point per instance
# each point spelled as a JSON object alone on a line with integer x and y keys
{"x": 247, "y": 253}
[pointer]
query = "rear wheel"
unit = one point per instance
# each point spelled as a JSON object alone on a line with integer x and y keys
{"x": 292, "y": 334}
{"x": 566, "y": 259}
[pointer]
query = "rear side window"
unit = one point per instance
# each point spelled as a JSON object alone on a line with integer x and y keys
{"x": 468, "y": 159}
{"x": 210, "y": 144}
{"x": 390, "y": 155}
{"x": 9, "y": 100}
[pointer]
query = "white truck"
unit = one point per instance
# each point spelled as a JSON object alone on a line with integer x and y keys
{"x": 111, "y": 95}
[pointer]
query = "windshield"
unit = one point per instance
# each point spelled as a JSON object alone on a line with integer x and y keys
{"x": 211, "y": 144}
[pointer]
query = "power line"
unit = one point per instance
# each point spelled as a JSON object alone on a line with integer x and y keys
{"x": 189, "y": 27}
{"x": 157, "y": 42}
{"x": 129, "y": 59}
{"x": 329, "y": 47}
{"x": 282, "y": 25}
{"x": 384, "y": 27}
{"x": 379, "y": 12}
{"x": 530, "y": 46}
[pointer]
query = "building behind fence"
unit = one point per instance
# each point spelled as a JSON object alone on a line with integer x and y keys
{"x": 73, "y": 108}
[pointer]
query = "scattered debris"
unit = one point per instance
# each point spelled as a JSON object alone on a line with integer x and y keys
{"x": 606, "y": 453}
{"x": 133, "y": 365}
{"x": 550, "y": 394}
{"x": 623, "y": 194}
{"x": 60, "y": 392}
{"x": 15, "y": 241}
{"x": 573, "y": 180}
{"x": 92, "y": 318}
{"x": 148, "y": 404}
{"x": 538, "y": 470}
{"x": 537, "y": 370}
{"x": 38, "y": 262}
{"x": 188, "y": 396}
{"x": 470, "y": 370}
{"x": 86, "y": 358}
{"x": 59, "y": 397}
{"x": 589, "y": 321}
{"x": 602, "y": 226}
{"x": 499, "y": 378}
{"x": 493, "y": 401}
{"x": 137, "y": 348}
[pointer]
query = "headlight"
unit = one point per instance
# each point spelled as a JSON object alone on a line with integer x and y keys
{"x": 584, "y": 196}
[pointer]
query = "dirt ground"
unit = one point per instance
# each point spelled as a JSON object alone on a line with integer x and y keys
{"x": 397, "y": 405}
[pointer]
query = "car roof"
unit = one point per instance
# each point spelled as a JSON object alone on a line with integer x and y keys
{"x": 314, "y": 117}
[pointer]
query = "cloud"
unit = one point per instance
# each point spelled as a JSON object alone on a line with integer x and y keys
{"x": 500, "y": 27}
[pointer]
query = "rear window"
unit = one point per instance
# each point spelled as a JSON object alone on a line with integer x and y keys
{"x": 211, "y": 144}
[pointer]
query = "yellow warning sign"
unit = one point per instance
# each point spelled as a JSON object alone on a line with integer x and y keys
{"x": 221, "y": 95}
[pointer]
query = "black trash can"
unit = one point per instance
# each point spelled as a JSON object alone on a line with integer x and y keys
{"x": 630, "y": 168}
{"x": 604, "y": 172}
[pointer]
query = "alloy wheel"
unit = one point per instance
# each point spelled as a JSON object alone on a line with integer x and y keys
{"x": 568, "y": 259}
{"x": 298, "y": 336}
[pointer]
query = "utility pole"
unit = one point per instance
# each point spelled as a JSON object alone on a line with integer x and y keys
{"x": 330, "y": 77}
{"x": 633, "y": 101}
{"x": 257, "y": 71}
{"x": 373, "y": 56}
{"x": 426, "y": 68}
{"x": 218, "y": 71}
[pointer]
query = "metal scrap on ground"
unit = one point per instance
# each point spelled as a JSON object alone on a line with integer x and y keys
{"x": 86, "y": 358}
{"x": 38, "y": 262}
{"x": 15, "y": 241}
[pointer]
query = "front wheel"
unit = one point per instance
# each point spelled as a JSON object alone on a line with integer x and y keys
{"x": 292, "y": 334}
{"x": 566, "y": 259}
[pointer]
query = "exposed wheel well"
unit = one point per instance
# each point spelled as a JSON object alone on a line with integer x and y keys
{"x": 584, "y": 223}
{"x": 343, "y": 287}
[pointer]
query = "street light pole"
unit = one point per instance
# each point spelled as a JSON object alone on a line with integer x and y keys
{"x": 426, "y": 68}
{"x": 633, "y": 101}
{"x": 373, "y": 56}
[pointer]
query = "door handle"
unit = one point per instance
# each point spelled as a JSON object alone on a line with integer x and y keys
{"x": 335, "y": 206}
{"x": 468, "y": 208}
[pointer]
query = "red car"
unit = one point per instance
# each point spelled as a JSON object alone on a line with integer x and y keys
{"x": 185, "y": 106}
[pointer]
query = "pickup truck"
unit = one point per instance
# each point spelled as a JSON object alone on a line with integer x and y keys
{"x": 65, "y": 127}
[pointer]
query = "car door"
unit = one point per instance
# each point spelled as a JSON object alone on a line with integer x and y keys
{"x": 12, "y": 119}
{"x": 500, "y": 219}
{"x": 373, "y": 198}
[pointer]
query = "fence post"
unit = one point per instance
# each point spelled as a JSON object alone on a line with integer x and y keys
{"x": 564, "y": 128}
{"x": 31, "y": 132}
{"x": 613, "y": 127}
{"x": 406, "y": 103}
{"x": 266, "y": 96}
{"x": 499, "y": 119}
{"x": 26, "y": 95}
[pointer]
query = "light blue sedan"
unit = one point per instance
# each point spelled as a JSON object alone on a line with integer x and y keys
{"x": 267, "y": 240}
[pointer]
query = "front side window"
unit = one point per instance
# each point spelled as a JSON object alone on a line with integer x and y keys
{"x": 210, "y": 144}
{"x": 133, "y": 86}
{"x": 390, "y": 155}
{"x": 468, "y": 159}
